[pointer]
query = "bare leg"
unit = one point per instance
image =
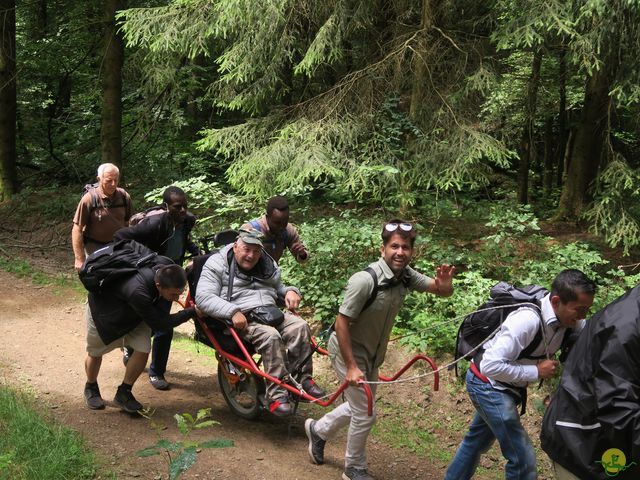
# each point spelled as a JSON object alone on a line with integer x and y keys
{"x": 92, "y": 368}
{"x": 135, "y": 366}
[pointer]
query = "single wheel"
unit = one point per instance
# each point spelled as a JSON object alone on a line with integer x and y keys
{"x": 243, "y": 391}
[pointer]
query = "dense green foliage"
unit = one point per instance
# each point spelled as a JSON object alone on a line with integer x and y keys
{"x": 31, "y": 447}
{"x": 374, "y": 101}
{"x": 511, "y": 249}
{"x": 357, "y": 110}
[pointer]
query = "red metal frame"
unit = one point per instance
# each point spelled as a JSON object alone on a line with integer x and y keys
{"x": 249, "y": 363}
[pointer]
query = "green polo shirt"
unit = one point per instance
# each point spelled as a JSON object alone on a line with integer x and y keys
{"x": 370, "y": 329}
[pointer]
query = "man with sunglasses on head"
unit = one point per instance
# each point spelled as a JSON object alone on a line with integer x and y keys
{"x": 358, "y": 345}
{"x": 169, "y": 234}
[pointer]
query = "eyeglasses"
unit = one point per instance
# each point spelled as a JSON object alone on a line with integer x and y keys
{"x": 392, "y": 227}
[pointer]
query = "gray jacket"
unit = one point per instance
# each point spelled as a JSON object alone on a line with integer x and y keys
{"x": 260, "y": 287}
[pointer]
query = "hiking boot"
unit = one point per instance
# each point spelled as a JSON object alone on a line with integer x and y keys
{"x": 158, "y": 382}
{"x": 126, "y": 401}
{"x": 92, "y": 396}
{"x": 316, "y": 444}
{"x": 312, "y": 388}
{"x": 127, "y": 351}
{"x": 351, "y": 473}
{"x": 281, "y": 407}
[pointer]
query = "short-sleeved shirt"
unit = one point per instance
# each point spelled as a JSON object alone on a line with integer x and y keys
{"x": 111, "y": 214}
{"x": 274, "y": 244}
{"x": 370, "y": 329}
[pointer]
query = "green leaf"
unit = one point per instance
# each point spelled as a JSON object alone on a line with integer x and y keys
{"x": 217, "y": 443}
{"x": 182, "y": 424}
{"x": 203, "y": 413}
{"x": 205, "y": 424}
{"x": 148, "y": 452}
{"x": 183, "y": 462}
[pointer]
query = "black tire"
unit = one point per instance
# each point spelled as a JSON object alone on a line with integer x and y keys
{"x": 245, "y": 396}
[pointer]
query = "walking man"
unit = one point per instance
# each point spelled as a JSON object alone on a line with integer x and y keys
{"x": 101, "y": 211}
{"x": 358, "y": 346}
{"x": 498, "y": 384}
{"x": 169, "y": 234}
{"x": 125, "y": 313}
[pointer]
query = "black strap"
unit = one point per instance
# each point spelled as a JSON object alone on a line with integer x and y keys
{"x": 374, "y": 292}
{"x": 232, "y": 275}
{"x": 529, "y": 349}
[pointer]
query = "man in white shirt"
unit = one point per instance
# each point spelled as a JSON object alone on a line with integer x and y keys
{"x": 498, "y": 379}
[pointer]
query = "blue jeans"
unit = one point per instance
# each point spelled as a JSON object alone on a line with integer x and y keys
{"x": 496, "y": 418}
{"x": 160, "y": 352}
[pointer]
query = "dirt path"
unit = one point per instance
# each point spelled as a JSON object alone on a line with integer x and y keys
{"x": 42, "y": 349}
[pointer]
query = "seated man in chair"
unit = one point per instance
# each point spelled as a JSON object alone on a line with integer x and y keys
{"x": 241, "y": 284}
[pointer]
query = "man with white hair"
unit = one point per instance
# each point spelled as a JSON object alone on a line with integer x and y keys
{"x": 103, "y": 209}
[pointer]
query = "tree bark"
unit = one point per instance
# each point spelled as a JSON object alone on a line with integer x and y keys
{"x": 8, "y": 108}
{"x": 549, "y": 157}
{"x": 527, "y": 145}
{"x": 563, "y": 130}
{"x": 586, "y": 152}
{"x": 421, "y": 78}
{"x": 111, "y": 126}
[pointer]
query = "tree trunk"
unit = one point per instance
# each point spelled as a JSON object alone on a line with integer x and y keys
{"x": 588, "y": 142}
{"x": 563, "y": 130}
{"x": 42, "y": 20}
{"x": 549, "y": 157}
{"x": 421, "y": 78}
{"x": 527, "y": 145}
{"x": 8, "y": 110}
{"x": 110, "y": 132}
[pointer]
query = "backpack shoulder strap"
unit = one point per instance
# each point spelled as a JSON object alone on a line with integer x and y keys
{"x": 374, "y": 292}
{"x": 256, "y": 224}
{"x": 370, "y": 300}
{"x": 535, "y": 343}
{"x": 94, "y": 198}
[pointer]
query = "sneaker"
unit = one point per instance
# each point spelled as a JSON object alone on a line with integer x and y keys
{"x": 158, "y": 382}
{"x": 126, "y": 401}
{"x": 312, "y": 388}
{"x": 351, "y": 473}
{"x": 126, "y": 354}
{"x": 92, "y": 396}
{"x": 280, "y": 407}
{"x": 316, "y": 444}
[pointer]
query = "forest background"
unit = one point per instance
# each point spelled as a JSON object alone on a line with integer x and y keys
{"x": 479, "y": 121}
{"x": 507, "y": 130}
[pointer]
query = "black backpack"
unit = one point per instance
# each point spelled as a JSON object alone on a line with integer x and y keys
{"x": 479, "y": 326}
{"x": 115, "y": 261}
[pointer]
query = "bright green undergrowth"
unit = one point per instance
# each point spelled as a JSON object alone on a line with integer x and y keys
{"x": 34, "y": 447}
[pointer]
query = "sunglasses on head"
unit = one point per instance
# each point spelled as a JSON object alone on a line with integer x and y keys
{"x": 392, "y": 227}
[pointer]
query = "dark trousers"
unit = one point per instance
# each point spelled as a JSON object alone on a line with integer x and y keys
{"x": 160, "y": 352}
